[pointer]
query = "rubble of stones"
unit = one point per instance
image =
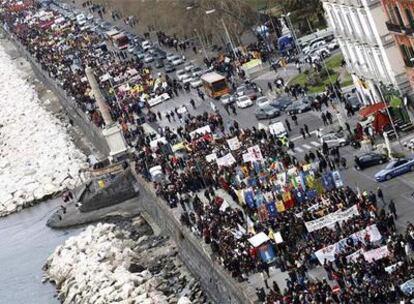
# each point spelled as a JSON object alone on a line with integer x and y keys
{"x": 123, "y": 262}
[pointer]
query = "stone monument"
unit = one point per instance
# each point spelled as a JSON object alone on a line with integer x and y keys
{"x": 112, "y": 132}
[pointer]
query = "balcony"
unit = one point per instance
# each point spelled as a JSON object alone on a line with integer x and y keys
{"x": 398, "y": 29}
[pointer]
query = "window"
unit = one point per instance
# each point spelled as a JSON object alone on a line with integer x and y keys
{"x": 409, "y": 18}
{"x": 398, "y": 14}
{"x": 408, "y": 54}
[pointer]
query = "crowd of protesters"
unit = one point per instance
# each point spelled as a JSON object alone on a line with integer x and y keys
{"x": 271, "y": 191}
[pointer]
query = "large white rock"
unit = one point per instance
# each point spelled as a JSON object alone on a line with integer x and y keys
{"x": 93, "y": 268}
{"x": 37, "y": 156}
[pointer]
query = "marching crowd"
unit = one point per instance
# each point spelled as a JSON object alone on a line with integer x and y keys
{"x": 320, "y": 221}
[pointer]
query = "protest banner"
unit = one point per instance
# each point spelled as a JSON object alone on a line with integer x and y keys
{"x": 234, "y": 143}
{"x": 226, "y": 160}
{"x": 329, "y": 252}
{"x": 371, "y": 255}
{"x": 200, "y": 131}
{"x": 332, "y": 218}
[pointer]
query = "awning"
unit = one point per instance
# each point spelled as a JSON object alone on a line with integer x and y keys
{"x": 369, "y": 110}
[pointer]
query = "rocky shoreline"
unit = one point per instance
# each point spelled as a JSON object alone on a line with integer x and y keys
{"x": 38, "y": 158}
{"x": 124, "y": 262}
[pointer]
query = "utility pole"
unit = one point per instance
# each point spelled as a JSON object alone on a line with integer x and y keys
{"x": 229, "y": 38}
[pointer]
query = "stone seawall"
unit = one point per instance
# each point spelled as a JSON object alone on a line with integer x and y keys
{"x": 218, "y": 283}
{"x": 93, "y": 133}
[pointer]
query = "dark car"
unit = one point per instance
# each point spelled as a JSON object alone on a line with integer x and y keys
{"x": 159, "y": 64}
{"x": 354, "y": 102}
{"x": 369, "y": 159}
{"x": 169, "y": 68}
{"x": 266, "y": 112}
{"x": 299, "y": 106}
{"x": 281, "y": 103}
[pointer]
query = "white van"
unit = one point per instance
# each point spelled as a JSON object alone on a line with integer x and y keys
{"x": 81, "y": 19}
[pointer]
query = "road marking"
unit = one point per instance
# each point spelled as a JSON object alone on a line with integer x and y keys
{"x": 297, "y": 149}
{"x": 306, "y": 146}
{"x": 315, "y": 143}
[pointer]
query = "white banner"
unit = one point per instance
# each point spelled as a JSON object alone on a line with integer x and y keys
{"x": 234, "y": 143}
{"x": 211, "y": 157}
{"x": 330, "y": 219}
{"x": 200, "y": 131}
{"x": 329, "y": 252}
{"x": 226, "y": 160}
{"x": 371, "y": 255}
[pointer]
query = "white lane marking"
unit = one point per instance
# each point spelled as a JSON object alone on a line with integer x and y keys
{"x": 315, "y": 143}
{"x": 297, "y": 149}
{"x": 306, "y": 146}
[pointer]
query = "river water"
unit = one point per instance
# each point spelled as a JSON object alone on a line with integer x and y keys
{"x": 26, "y": 243}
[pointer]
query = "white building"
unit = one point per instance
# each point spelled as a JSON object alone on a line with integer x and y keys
{"x": 368, "y": 48}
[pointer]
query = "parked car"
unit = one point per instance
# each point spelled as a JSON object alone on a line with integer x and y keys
{"x": 244, "y": 102}
{"x": 146, "y": 45}
{"x": 355, "y": 102}
{"x": 298, "y": 107}
{"x": 266, "y": 112}
{"x": 227, "y": 99}
{"x": 195, "y": 82}
{"x": 262, "y": 101}
{"x": 186, "y": 79}
{"x": 281, "y": 103}
{"x": 196, "y": 71}
{"x": 394, "y": 169}
{"x": 250, "y": 91}
{"x": 170, "y": 56}
{"x": 188, "y": 67}
{"x": 333, "y": 45}
{"x": 335, "y": 139}
{"x": 369, "y": 159}
{"x": 181, "y": 74}
{"x": 168, "y": 68}
{"x": 177, "y": 60}
{"x": 140, "y": 55}
{"x": 148, "y": 58}
{"x": 159, "y": 64}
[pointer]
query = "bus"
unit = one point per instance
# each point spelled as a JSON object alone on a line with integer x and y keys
{"x": 215, "y": 85}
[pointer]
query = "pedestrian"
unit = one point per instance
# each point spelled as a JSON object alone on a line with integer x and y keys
{"x": 226, "y": 108}
{"x": 295, "y": 119}
{"x": 261, "y": 294}
{"x": 168, "y": 117}
{"x": 172, "y": 114}
{"x": 159, "y": 115}
{"x": 269, "y": 86}
{"x": 276, "y": 287}
{"x": 348, "y": 128}
{"x": 303, "y": 133}
{"x": 380, "y": 195}
{"x": 324, "y": 120}
{"x": 288, "y": 125}
{"x": 201, "y": 95}
{"x": 305, "y": 126}
{"x": 393, "y": 210}
{"x": 329, "y": 117}
{"x": 192, "y": 103}
{"x": 233, "y": 109}
{"x": 343, "y": 162}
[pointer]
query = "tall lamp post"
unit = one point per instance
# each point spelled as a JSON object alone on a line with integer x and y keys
{"x": 292, "y": 30}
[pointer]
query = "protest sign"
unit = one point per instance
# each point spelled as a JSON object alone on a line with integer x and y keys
{"x": 211, "y": 157}
{"x": 332, "y": 218}
{"x": 234, "y": 143}
{"x": 200, "y": 131}
{"x": 226, "y": 160}
{"x": 371, "y": 255}
{"x": 255, "y": 153}
{"x": 329, "y": 252}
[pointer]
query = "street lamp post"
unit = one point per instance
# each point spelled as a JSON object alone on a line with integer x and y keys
{"x": 292, "y": 30}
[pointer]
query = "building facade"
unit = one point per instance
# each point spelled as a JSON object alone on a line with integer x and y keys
{"x": 369, "y": 50}
{"x": 400, "y": 15}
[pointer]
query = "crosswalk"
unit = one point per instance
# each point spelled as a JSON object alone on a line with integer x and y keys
{"x": 305, "y": 147}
